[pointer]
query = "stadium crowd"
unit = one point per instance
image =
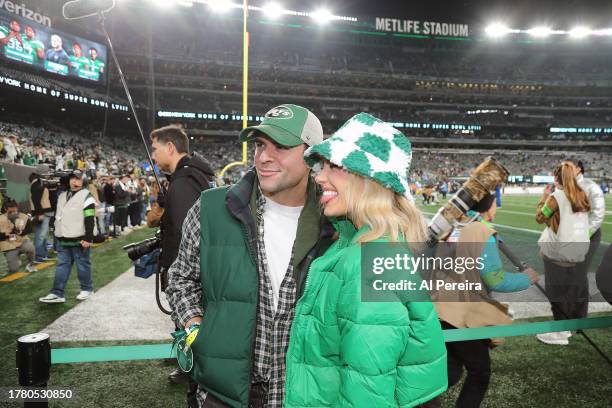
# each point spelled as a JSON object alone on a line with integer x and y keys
{"x": 64, "y": 149}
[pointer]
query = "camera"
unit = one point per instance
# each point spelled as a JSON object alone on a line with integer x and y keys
{"x": 139, "y": 249}
{"x": 56, "y": 180}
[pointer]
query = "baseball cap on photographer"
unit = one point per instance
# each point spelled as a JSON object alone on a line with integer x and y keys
{"x": 76, "y": 173}
{"x": 288, "y": 125}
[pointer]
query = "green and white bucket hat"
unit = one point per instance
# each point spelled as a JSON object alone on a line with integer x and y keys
{"x": 371, "y": 148}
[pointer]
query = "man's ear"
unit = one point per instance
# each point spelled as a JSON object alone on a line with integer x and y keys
{"x": 171, "y": 148}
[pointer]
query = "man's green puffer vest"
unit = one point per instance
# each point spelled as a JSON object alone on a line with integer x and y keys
{"x": 223, "y": 349}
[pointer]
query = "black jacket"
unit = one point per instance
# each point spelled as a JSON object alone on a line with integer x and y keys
{"x": 37, "y": 190}
{"x": 193, "y": 175}
{"x": 109, "y": 194}
{"x": 122, "y": 197}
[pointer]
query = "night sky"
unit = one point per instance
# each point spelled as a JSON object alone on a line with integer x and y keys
{"x": 516, "y": 13}
{"x": 560, "y": 14}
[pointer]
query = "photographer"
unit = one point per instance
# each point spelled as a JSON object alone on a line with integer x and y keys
{"x": 14, "y": 228}
{"x": 475, "y": 237}
{"x": 189, "y": 175}
{"x": 42, "y": 211}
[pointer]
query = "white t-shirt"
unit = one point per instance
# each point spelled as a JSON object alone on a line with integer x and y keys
{"x": 280, "y": 228}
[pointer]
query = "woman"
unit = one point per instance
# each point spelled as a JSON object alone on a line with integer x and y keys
{"x": 564, "y": 244}
{"x": 344, "y": 351}
{"x": 474, "y": 237}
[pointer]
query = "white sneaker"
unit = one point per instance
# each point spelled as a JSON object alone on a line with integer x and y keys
{"x": 84, "y": 294}
{"x": 51, "y": 298}
{"x": 31, "y": 268}
{"x": 557, "y": 338}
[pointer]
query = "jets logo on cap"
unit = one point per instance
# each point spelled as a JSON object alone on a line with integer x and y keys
{"x": 280, "y": 112}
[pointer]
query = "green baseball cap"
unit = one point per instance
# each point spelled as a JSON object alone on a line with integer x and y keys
{"x": 288, "y": 125}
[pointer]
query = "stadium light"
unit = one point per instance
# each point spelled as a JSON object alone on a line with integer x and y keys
{"x": 220, "y": 6}
{"x": 272, "y": 10}
{"x": 579, "y": 32}
{"x": 540, "y": 32}
{"x": 164, "y": 4}
{"x": 496, "y": 30}
{"x": 322, "y": 16}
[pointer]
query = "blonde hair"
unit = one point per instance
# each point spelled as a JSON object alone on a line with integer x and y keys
{"x": 564, "y": 173}
{"x": 387, "y": 213}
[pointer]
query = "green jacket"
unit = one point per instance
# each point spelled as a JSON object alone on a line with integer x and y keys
{"x": 347, "y": 353}
{"x": 223, "y": 351}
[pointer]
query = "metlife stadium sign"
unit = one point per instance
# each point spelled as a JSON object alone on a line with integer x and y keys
{"x": 415, "y": 27}
{"x": 23, "y": 11}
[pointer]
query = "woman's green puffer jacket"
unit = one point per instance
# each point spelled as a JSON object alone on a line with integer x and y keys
{"x": 347, "y": 353}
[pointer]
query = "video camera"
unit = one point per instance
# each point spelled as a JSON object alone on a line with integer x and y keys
{"x": 56, "y": 181}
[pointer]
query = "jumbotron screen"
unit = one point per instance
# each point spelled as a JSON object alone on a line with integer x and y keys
{"x": 51, "y": 50}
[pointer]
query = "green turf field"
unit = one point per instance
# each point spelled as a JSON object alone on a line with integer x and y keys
{"x": 515, "y": 223}
{"x": 526, "y": 373}
{"x": 518, "y": 211}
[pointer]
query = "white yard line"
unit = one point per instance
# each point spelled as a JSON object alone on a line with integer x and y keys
{"x": 515, "y": 228}
{"x": 501, "y": 210}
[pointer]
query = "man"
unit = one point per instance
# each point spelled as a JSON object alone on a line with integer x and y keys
{"x": 101, "y": 211}
{"x": 134, "y": 206}
{"x": 14, "y": 230}
{"x": 77, "y": 60}
{"x": 57, "y": 54}
{"x": 94, "y": 64}
{"x": 109, "y": 200}
{"x": 255, "y": 242}
{"x": 189, "y": 175}
{"x": 122, "y": 198}
{"x": 12, "y": 38}
{"x": 42, "y": 211}
{"x": 144, "y": 194}
{"x": 596, "y": 215}
{"x": 75, "y": 230}
{"x": 10, "y": 148}
{"x": 37, "y": 48}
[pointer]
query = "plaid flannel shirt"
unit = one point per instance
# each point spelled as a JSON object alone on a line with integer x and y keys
{"x": 184, "y": 294}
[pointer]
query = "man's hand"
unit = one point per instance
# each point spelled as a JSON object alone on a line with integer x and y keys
{"x": 85, "y": 244}
{"x": 533, "y": 275}
{"x": 16, "y": 35}
{"x": 40, "y": 217}
{"x": 193, "y": 320}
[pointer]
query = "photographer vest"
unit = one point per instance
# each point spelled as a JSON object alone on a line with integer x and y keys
{"x": 69, "y": 217}
{"x": 6, "y": 227}
{"x": 471, "y": 308}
